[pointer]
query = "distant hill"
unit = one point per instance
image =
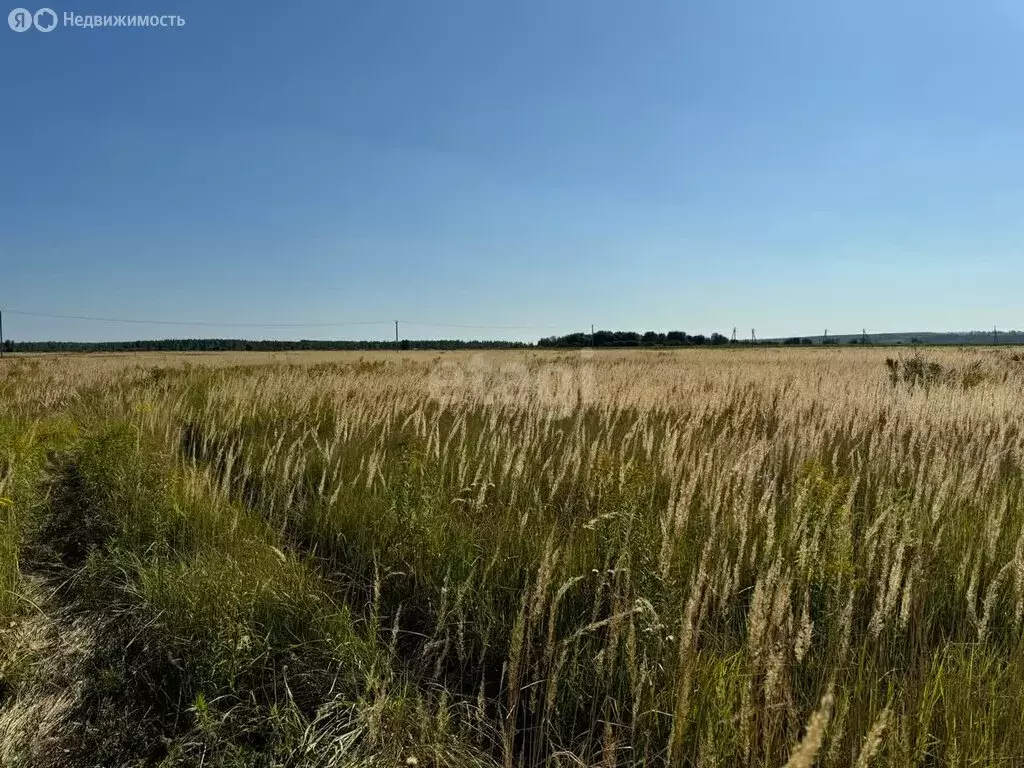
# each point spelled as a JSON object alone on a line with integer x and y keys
{"x": 912, "y": 337}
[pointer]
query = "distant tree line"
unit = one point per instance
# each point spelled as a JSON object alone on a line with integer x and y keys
{"x": 597, "y": 339}
{"x": 244, "y": 345}
{"x": 633, "y": 339}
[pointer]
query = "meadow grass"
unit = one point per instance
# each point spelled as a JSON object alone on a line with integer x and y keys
{"x": 756, "y": 557}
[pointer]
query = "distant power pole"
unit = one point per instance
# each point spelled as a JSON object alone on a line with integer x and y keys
{"x": 995, "y": 335}
{"x": 753, "y": 337}
{"x": 396, "y": 331}
{"x": 863, "y": 335}
{"x": 734, "y": 334}
{"x": 1, "y": 334}
{"x": 591, "y": 334}
{"x": 825, "y": 337}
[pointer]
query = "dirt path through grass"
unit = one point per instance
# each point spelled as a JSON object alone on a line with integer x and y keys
{"x": 50, "y": 649}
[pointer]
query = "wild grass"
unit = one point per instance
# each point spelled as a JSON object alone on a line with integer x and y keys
{"x": 730, "y": 557}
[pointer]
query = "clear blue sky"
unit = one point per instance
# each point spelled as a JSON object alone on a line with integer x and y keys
{"x": 671, "y": 164}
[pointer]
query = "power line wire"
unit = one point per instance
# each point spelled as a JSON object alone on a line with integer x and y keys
{"x": 199, "y": 323}
{"x": 194, "y": 322}
{"x": 485, "y": 327}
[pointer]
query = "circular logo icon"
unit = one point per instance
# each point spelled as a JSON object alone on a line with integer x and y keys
{"x": 20, "y": 19}
{"x": 45, "y": 20}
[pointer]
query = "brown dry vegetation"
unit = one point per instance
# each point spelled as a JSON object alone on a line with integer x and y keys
{"x": 735, "y": 557}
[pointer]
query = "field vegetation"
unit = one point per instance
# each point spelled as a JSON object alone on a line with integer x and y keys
{"x": 701, "y": 557}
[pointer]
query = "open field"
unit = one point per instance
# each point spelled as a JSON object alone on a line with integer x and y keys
{"x": 731, "y": 557}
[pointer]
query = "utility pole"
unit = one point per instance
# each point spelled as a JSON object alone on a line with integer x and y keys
{"x": 863, "y": 335}
{"x": 995, "y": 335}
{"x": 396, "y": 333}
{"x": 591, "y": 334}
{"x": 734, "y": 334}
{"x": 1, "y": 334}
{"x": 753, "y": 337}
{"x": 825, "y": 337}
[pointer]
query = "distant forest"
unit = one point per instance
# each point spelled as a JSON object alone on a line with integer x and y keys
{"x": 243, "y": 345}
{"x": 572, "y": 340}
{"x": 633, "y": 339}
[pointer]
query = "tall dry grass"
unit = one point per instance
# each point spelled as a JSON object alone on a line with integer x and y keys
{"x": 728, "y": 557}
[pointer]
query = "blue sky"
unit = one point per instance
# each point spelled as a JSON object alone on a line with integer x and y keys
{"x": 669, "y": 164}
